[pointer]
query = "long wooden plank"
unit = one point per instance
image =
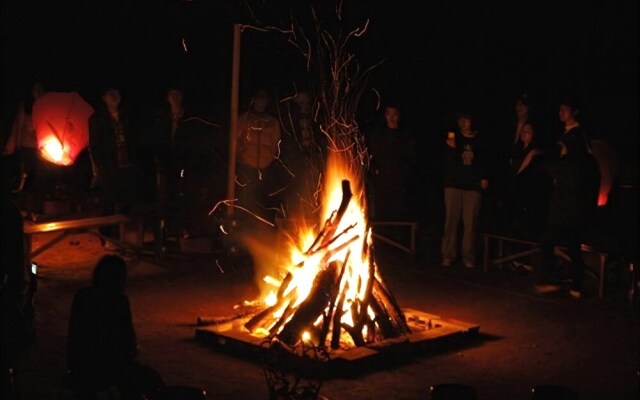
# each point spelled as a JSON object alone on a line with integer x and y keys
{"x": 81, "y": 223}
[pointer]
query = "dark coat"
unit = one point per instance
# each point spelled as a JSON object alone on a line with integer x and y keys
{"x": 576, "y": 182}
{"x": 117, "y": 183}
{"x": 102, "y": 139}
{"x": 465, "y": 166}
{"x": 101, "y": 341}
{"x": 392, "y": 167}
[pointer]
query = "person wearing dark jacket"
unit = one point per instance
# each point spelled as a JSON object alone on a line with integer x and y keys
{"x": 528, "y": 189}
{"x": 573, "y": 204}
{"x": 113, "y": 148}
{"x": 464, "y": 180}
{"x": 101, "y": 342}
{"x": 393, "y": 159}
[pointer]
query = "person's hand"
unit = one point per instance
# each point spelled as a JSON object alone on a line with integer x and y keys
{"x": 563, "y": 149}
{"x": 484, "y": 184}
{"x": 451, "y": 140}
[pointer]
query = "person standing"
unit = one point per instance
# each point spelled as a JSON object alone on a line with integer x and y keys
{"x": 168, "y": 128}
{"x": 528, "y": 188}
{"x": 112, "y": 145}
{"x": 393, "y": 158}
{"x": 464, "y": 180}
{"x": 303, "y": 153}
{"x": 258, "y": 172}
{"x": 22, "y": 142}
{"x": 573, "y": 205}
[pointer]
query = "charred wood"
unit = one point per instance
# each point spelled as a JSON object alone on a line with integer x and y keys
{"x": 313, "y": 306}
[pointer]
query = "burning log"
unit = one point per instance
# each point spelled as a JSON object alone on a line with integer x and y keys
{"x": 329, "y": 316}
{"x": 331, "y": 225}
{"x": 259, "y": 319}
{"x": 337, "y": 325}
{"x": 390, "y": 307}
{"x": 343, "y": 299}
{"x": 313, "y": 306}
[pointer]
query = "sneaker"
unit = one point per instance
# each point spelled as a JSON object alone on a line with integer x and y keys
{"x": 445, "y": 263}
{"x": 576, "y": 294}
{"x": 469, "y": 264}
{"x": 543, "y": 288}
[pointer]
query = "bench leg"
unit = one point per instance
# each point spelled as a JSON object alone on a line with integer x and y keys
{"x": 602, "y": 264}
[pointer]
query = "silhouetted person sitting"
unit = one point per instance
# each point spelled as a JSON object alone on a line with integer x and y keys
{"x": 101, "y": 345}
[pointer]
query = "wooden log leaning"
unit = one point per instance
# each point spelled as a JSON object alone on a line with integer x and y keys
{"x": 391, "y": 307}
{"x": 313, "y": 306}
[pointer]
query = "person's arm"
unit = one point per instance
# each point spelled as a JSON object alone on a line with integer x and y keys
{"x": 16, "y": 129}
{"x": 483, "y": 169}
{"x": 277, "y": 138}
{"x": 95, "y": 141}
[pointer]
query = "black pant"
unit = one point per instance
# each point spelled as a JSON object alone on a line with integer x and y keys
{"x": 569, "y": 237}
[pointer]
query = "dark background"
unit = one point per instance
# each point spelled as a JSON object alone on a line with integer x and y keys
{"x": 439, "y": 56}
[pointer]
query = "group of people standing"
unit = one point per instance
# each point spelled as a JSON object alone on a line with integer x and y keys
{"x": 549, "y": 194}
{"x": 177, "y": 160}
{"x": 541, "y": 190}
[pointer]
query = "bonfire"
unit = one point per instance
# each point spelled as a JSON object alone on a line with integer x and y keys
{"x": 330, "y": 292}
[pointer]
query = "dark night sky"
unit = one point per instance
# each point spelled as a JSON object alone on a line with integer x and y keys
{"x": 451, "y": 55}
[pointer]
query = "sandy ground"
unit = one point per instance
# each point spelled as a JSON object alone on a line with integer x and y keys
{"x": 590, "y": 345}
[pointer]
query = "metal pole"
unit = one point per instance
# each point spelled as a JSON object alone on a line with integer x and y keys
{"x": 233, "y": 127}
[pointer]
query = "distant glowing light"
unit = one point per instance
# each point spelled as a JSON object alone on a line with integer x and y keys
{"x": 602, "y": 199}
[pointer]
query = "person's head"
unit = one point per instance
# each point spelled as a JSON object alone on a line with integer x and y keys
{"x": 464, "y": 122}
{"x": 37, "y": 90}
{"x": 111, "y": 97}
{"x": 527, "y": 133}
{"x": 260, "y": 101}
{"x": 522, "y": 106}
{"x": 110, "y": 274}
{"x": 392, "y": 116}
{"x": 567, "y": 112}
{"x": 174, "y": 97}
{"x": 303, "y": 101}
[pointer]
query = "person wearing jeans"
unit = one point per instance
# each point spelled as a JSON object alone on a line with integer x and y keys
{"x": 464, "y": 181}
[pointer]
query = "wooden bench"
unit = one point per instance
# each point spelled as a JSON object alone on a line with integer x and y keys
{"x": 88, "y": 225}
{"x": 532, "y": 247}
{"x": 413, "y": 228}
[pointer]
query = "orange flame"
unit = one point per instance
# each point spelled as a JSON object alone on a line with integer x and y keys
{"x": 53, "y": 151}
{"x": 304, "y": 267}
